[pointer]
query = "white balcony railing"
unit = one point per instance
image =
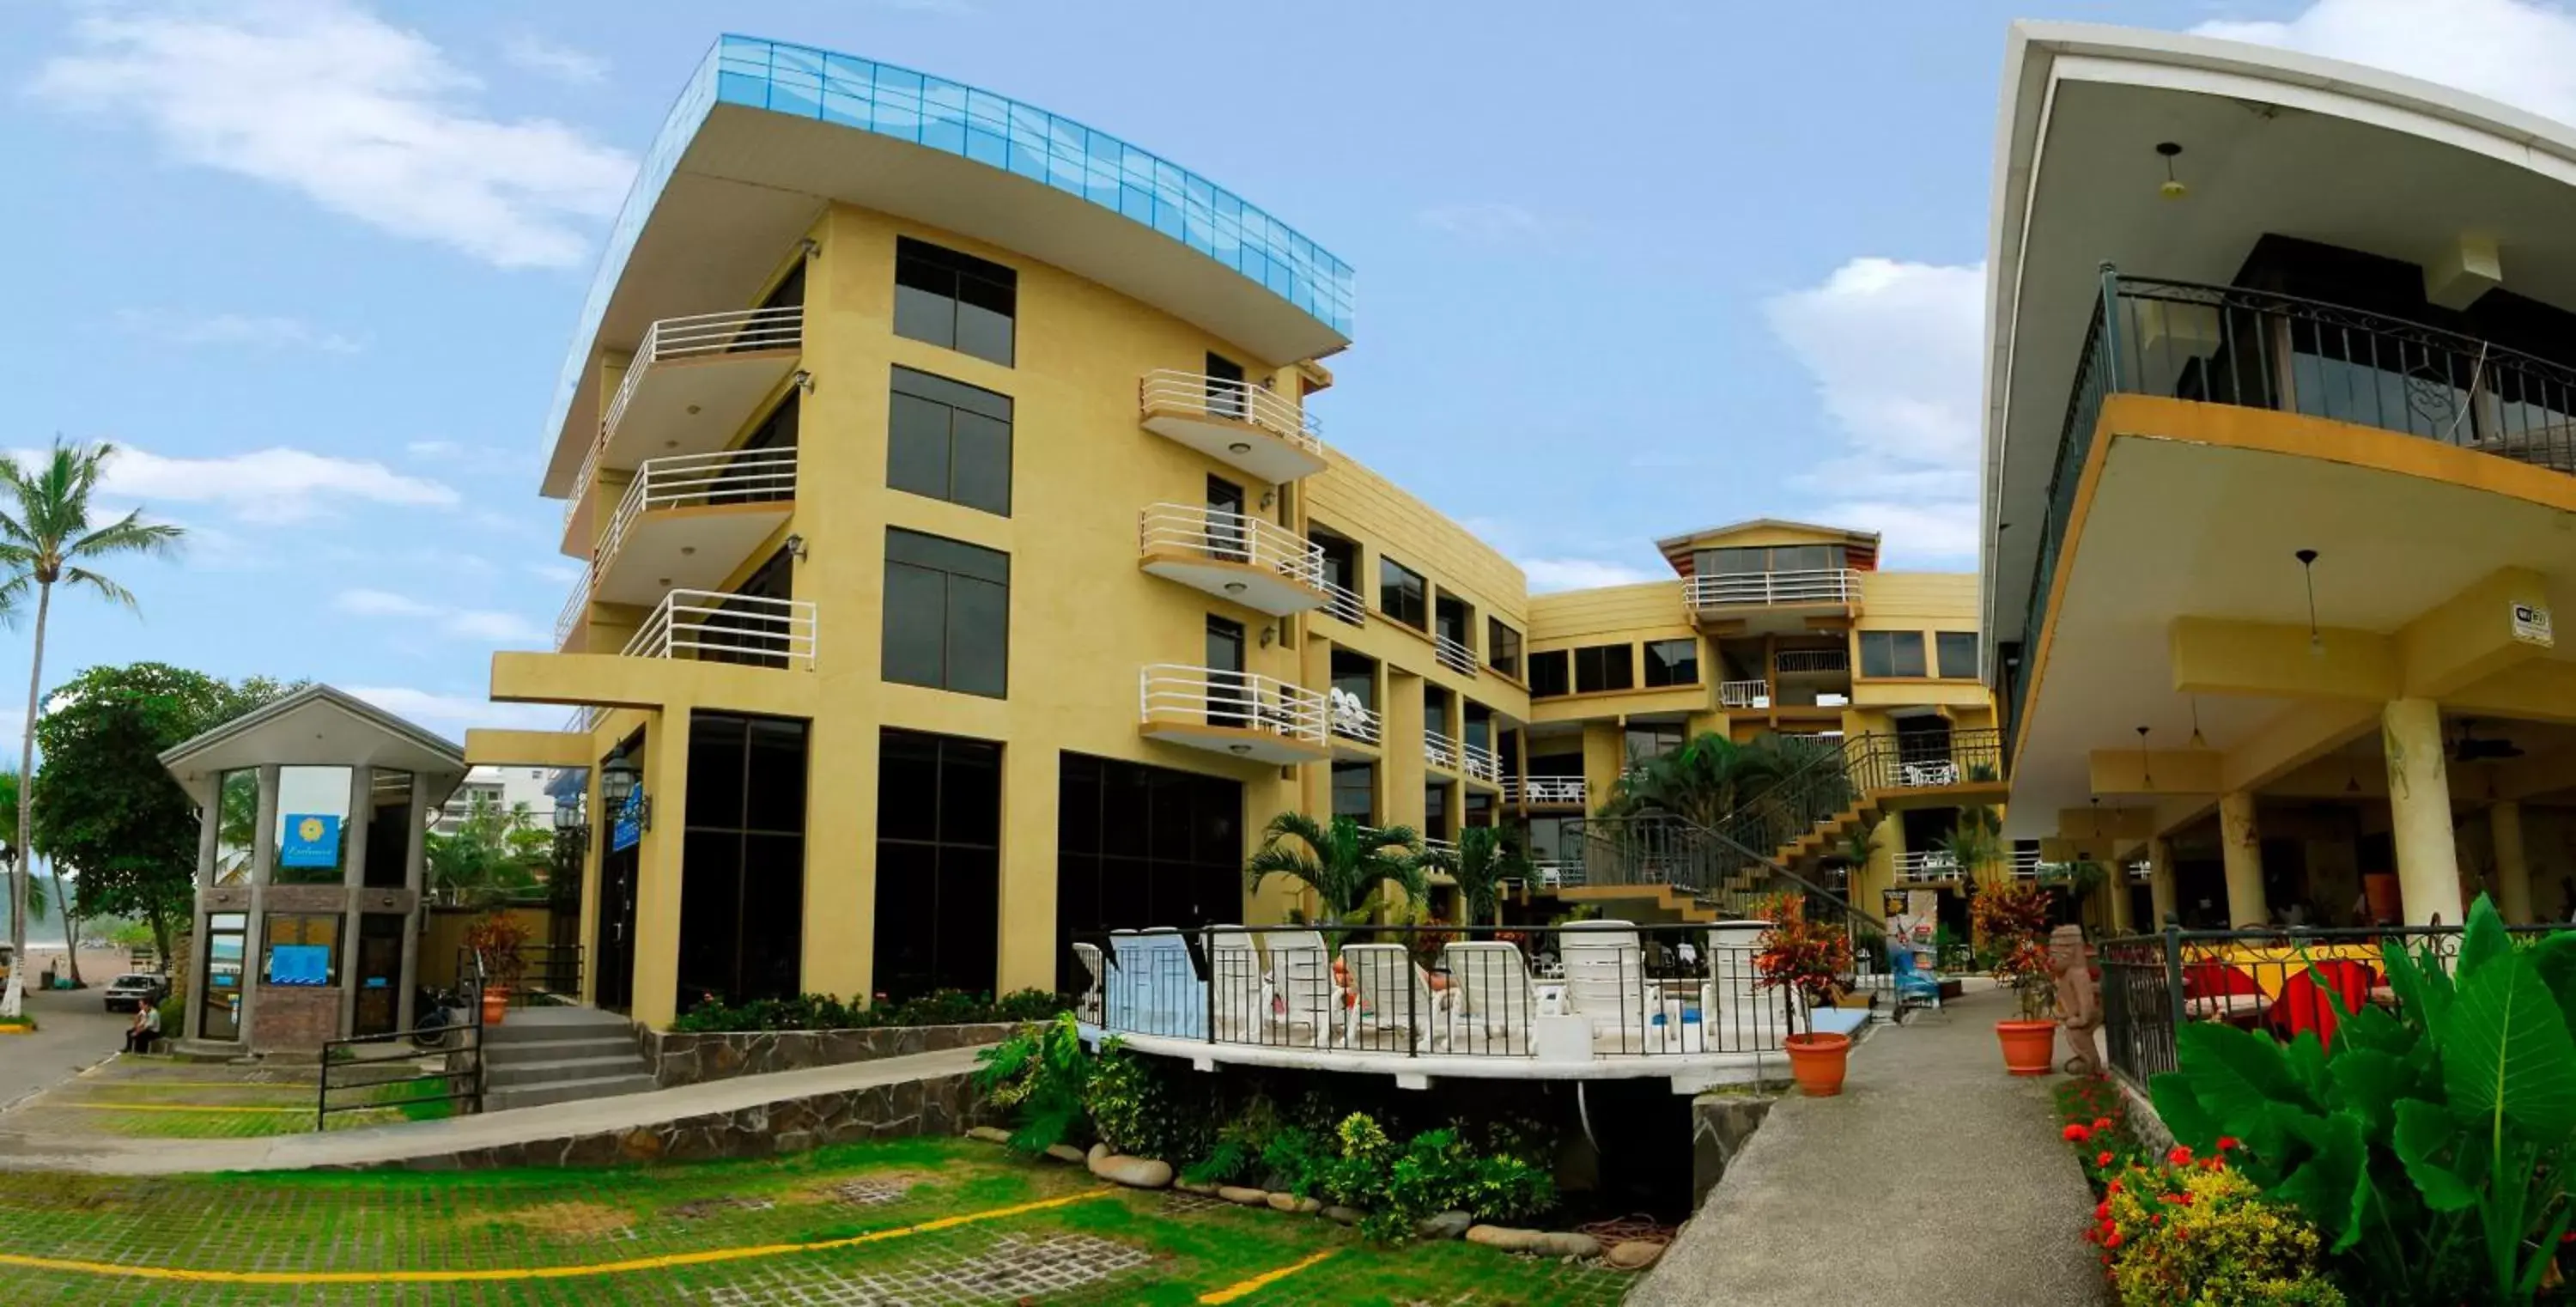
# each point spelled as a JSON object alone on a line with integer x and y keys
{"x": 584, "y": 719}
{"x": 1544, "y": 789}
{"x": 576, "y": 606}
{"x": 1175, "y": 694}
{"x": 1453, "y": 655}
{"x": 1446, "y": 848}
{"x": 1744, "y": 694}
{"x": 1352, "y": 718}
{"x": 1833, "y": 585}
{"x": 1226, "y": 537}
{"x": 1792, "y": 662}
{"x": 700, "y": 335}
{"x": 1345, "y": 603}
{"x": 1440, "y": 750}
{"x": 2025, "y": 864}
{"x": 715, "y": 627}
{"x": 1480, "y": 763}
{"x": 696, "y": 480}
{"x": 1199, "y": 395}
{"x": 1925, "y": 866}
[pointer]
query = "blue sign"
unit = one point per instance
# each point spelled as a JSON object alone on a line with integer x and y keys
{"x": 629, "y": 826}
{"x": 299, "y": 964}
{"x": 312, "y": 840}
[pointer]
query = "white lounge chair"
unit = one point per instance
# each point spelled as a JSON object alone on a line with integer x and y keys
{"x": 1237, "y": 996}
{"x": 1301, "y": 974}
{"x": 1605, "y": 980}
{"x": 1087, "y": 1007}
{"x": 1155, "y": 988}
{"x": 1490, "y": 997}
{"x": 1393, "y": 994}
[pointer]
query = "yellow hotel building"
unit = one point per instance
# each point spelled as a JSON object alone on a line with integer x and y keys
{"x": 966, "y": 570}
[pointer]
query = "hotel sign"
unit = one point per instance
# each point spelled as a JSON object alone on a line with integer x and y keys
{"x": 2531, "y": 626}
{"x": 629, "y": 826}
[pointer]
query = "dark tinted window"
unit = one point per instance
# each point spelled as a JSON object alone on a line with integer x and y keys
{"x": 1958, "y": 650}
{"x": 1548, "y": 675}
{"x": 939, "y": 864}
{"x": 1672, "y": 662}
{"x": 1891, "y": 653}
{"x": 742, "y": 899}
{"x": 1402, "y": 595}
{"x": 947, "y": 614}
{"x": 954, "y": 300}
{"x": 1186, "y": 870}
{"x": 1502, "y": 647}
{"x": 949, "y": 441}
{"x": 1355, "y": 791}
{"x": 1604, "y": 667}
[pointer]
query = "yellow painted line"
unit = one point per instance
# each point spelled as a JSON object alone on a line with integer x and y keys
{"x": 703, "y": 1257}
{"x": 173, "y": 1107}
{"x": 214, "y": 1084}
{"x": 1264, "y": 1280}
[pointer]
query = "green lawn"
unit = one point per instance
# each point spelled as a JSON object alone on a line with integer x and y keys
{"x": 884, "y": 1215}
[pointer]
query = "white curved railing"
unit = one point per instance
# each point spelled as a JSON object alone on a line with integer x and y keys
{"x": 1345, "y": 603}
{"x": 1174, "y": 694}
{"x": 576, "y": 605}
{"x": 1218, "y": 397}
{"x": 1352, "y": 718}
{"x": 1924, "y": 866}
{"x": 1833, "y": 585}
{"x": 1227, "y": 537}
{"x": 1544, "y": 789}
{"x": 735, "y": 331}
{"x": 1744, "y": 694}
{"x": 1790, "y": 662}
{"x": 712, "y": 626}
{"x": 2025, "y": 864}
{"x": 1439, "y": 750}
{"x": 1481, "y": 763}
{"x": 1453, "y": 655}
{"x": 695, "y": 480}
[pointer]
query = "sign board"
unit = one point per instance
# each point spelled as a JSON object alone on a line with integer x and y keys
{"x": 2531, "y": 626}
{"x": 311, "y": 839}
{"x": 299, "y": 964}
{"x": 629, "y": 826}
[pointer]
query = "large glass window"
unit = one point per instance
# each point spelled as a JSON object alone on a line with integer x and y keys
{"x": 1402, "y": 594}
{"x": 1435, "y": 811}
{"x": 955, "y": 300}
{"x": 1548, "y": 675}
{"x": 742, "y": 891}
{"x": 1604, "y": 667}
{"x": 312, "y": 825}
{"x": 951, "y": 441}
{"x": 1958, "y": 650}
{"x": 237, "y": 827}
{"x": 1891, "y": 653}
{"x": 939, "y": 863}
{"x": 300, "y": 948}
{"x": 1141, "y": 846}
{"x": 1355, "y": 791}
{"x": 1672, "y": 662}
{"x": 1341, "y": 572}
{"x": 219, "y": 1005}
{"x": 1757, "y": 560}
{"x": 1502, "y": 648}
{"x": 1643, "y": 742}
{"x": 388, "y": 829}
{"x": 947, "y": 614}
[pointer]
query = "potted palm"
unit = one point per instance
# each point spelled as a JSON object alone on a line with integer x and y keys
{"x": 1807, "y": 959}
{"x": 2014, "y": 921}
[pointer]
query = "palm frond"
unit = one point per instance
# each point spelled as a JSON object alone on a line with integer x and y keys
{"x": 127, "y": 535}
{"x": 106, "y": 589}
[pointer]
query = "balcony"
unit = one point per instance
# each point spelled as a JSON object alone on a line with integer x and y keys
{"x": 1243, "y": 426}
{"x": 574, "y": 620}
{"x": 1744, "y": 597}
{"x": 689, "y": 389}
{"x": 1473, "y": 761}
{"x": 1238, "y": 558}
{"x": 1345, "y": 604}
{"x": 1744, "y": 694}
{"x": 1545, "y": 791}
{"x": 1242, "y": 714}
{"x": 1812, "y": 662}
{"x": 1453, "y": 655}
{"x": 711, "y": 626}
{"x": 1926, "y": 867}
{"x": 1440, "y": 751}
{"x": 691, "y": 520}
{"x": 1354, "y": 724}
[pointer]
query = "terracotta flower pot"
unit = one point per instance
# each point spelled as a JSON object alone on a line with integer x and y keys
{"x": 1818, "y": 1061}
{"x": 2030, "y": 1047}
{"x": 496, "y": 1005}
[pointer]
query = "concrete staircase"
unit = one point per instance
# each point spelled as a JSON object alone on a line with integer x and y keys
{"x": 559, "y": 1055}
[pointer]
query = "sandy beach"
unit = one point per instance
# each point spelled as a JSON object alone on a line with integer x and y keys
{"x": 98, "y": 965}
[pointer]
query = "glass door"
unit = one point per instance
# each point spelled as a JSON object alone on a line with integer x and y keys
{"x": 220, "y": 1002}
{"x": 1229, "y": 698}
{"x": 1227, "y": 533}
{"x": 380, "y": 946}
{"x": 1224, "y": 386}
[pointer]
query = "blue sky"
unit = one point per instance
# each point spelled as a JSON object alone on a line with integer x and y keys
{"x": 1623, "y": 269}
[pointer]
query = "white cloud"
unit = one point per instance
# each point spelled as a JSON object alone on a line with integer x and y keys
{"x": 2521, "y": 53}
{"x": 564, "y": 571}
{"x": 464, "y": 623}
{"x": 561, "y": 62}
{"x": 1547, "y": 574}
{"x": 266, "y": 485}
{"x": 362, "y": 117}
{"x": 250, "y": 331}
{"x": 451, "y": 713}
{"x": 1493, "y": 223}
{"x": 1895, "y": 350}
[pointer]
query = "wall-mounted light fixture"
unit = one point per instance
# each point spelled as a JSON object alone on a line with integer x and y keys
{"x": 812, "y": 248}
{"x": 804, "y": 381}
{"x": 795, "y": 546}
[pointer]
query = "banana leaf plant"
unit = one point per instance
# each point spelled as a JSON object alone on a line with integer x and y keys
{"x": 2432, "y": 1146}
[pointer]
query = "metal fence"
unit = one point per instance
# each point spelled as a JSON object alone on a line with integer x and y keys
{"x": 1575, "y": 991}
{"x": 2283, "y": 982}
{"x": 540, "y": 973}
{"x": 442, "y": 1051}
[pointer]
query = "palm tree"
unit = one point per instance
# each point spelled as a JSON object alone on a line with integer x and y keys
{"x": 45, "y": 539}
{"x": 1346, "y": 865}
{"x": 1486, "y": 857}
{"x": 493, "y": 855}
{"x": 1975, "y": 843}
{"x": 1704, "y": 781}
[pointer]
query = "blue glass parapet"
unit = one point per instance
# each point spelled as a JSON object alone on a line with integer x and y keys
{"x": 978, "y": 125}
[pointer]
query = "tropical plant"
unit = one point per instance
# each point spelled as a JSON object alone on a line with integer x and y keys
{"x": 1801, "y": 955}
{"x": 1705, "y": 780}
{"x": 2012, "y": 919}
{"x": 46, "y": 539}
{"x": 939, "y": 1007}
{"x": 1346, "y": 867}
{"x": 1044, "y": 1071}
{"x": 1486, "y": 857}
{"x": 2080, "y": 879}
{"x": 1852, "y": 849}
{"x": 494, "y": 854}
{"x": 1975, "y": 843}
{"x": 499, "y": 940}
{"x": 2197, "y": 1231}
{"x": 2433, "y": 1147}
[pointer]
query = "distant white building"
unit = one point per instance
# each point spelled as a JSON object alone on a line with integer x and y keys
{"x": 506, "y": 788}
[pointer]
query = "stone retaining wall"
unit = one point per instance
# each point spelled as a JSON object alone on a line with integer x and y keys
{"x": 1721, "y": 1124}
{"x": 693, "y": 1057}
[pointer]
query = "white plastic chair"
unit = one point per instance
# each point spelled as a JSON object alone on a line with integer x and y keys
{"x": 1088, "y": 1006}
{"x": 1235, "y": 990}
{"x": 1380, "y": 973}
{"x": 1605, "y": 979}
{"x": 1490, "y": 997}
{"x": 1301, "y": 974}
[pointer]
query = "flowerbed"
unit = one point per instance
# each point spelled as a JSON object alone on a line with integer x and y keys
{"x": 940, "y": 1007}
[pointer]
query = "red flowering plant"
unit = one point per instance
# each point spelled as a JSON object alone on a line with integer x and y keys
{"x": 2013, "y": 920}
{"x": 1800, "y": 955}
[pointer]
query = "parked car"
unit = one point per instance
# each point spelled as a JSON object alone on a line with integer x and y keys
{"x": 133, "y": 990}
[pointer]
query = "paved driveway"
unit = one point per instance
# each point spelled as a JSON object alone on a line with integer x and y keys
{"x": 74, "y": 1030}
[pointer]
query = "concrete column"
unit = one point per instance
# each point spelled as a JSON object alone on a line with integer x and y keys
{"x": 2242, "y": 847}
{"x": 2116, "y": 885}
{"x": 2513, "y": 867}
{"x": 415, "y": 853}
{"x": 1030, "y": 798}
{"x": 187, "y": 972}
{"x": 840, "y": 937}
{"x": 1871, "y": 882}
{"x": 2419, "y": 809}
{"x": 658, "y": 868}
{"x": 1604, "y": 758}
{"x": 353, "y": 875}
{"x": 2160, "y": 880}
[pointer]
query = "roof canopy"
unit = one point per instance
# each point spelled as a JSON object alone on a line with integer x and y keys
{"x": 316, "y": 726}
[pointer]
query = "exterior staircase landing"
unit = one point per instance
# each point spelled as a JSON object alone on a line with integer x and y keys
{"x": 545, "y": 1055}
{"x": 1678, "y": 903}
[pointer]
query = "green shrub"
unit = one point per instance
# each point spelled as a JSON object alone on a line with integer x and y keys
{"x": 1435, "y": 1171}
{"x": 2201, "y": 1233}
{"x": 1045, "y": 1072}
{"x": 1138, "y": 1111}
{"x": 940, "y": 1007}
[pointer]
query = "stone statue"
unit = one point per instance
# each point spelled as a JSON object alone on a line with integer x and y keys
{"x": 2079, "y": 1005}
